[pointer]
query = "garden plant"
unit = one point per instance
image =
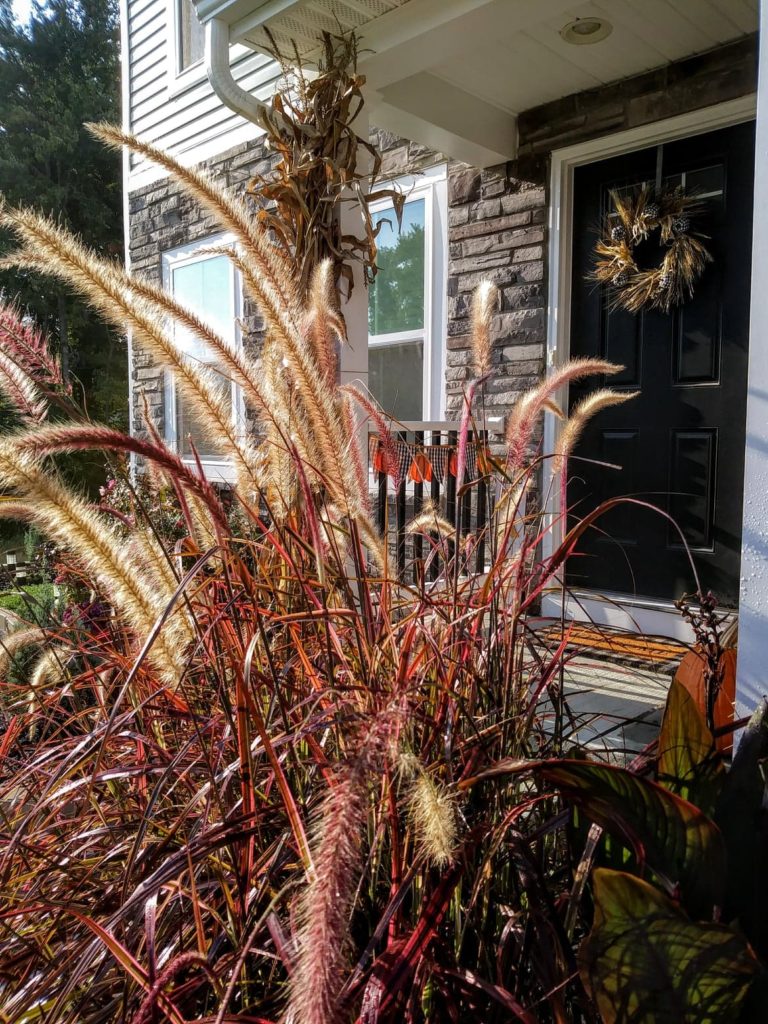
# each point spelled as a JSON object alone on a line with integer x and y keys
{"x": 257, "y": 777}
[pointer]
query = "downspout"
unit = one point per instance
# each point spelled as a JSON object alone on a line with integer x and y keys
{"x": 220, "y": 76}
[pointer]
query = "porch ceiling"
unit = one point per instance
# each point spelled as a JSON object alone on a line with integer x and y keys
{"x": 453, "y": 74}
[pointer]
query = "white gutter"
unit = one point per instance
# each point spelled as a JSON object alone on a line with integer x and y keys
{"x": 220, "y": 76}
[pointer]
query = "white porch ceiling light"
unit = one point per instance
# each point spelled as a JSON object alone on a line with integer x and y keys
{"x": 585, "y": 31}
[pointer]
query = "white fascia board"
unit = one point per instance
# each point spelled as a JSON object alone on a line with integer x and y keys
{"x": 229, "y": 11}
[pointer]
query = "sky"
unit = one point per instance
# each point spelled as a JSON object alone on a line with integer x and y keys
{"x": 22, "y": 8}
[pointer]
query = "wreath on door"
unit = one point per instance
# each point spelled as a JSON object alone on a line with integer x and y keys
{"x": 634, "y": 219}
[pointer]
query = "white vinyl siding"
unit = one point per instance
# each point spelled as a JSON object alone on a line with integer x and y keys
{"x": 179, "y": 111}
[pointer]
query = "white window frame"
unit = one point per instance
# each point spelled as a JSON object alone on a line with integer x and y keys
{"x": 216, "y": 469}
{"x": 432, "y": 187}
{"x": 181, "y": 79}
{"x": 179, "y": 76}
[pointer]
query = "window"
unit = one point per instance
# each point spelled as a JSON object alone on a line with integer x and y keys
{"x": 190, "y": 36}
{"x": 208, "y": 284}
{"x": 406, "y": 304}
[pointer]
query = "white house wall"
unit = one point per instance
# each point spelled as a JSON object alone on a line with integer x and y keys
{"x": 180, "y": 113}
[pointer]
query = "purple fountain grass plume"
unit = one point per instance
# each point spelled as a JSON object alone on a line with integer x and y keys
{"x": 327, "y": 902}
{"x": 432, "y": 812}
{"x": 484, "y": 302}
{"x": 264, "y": 259}
{"x": 382, "y": 428}
{"x": 322, "y": 325}
{"x": 20, "y": 390}
{"x": 524, "y": 416}
{"x": 23, "y": 342}
{"x": 102, "y": 283}
{"x": 574, "y": 426}
{"x": 359, "y": 460}
{"x": 12, "y": 644}
{"x": 466, "y": 421}
{"x": 152, "y": 1000}
{"x": 310, "y": 514}
{"x": 70, "y": 437}
{"x": 72, "y": 522}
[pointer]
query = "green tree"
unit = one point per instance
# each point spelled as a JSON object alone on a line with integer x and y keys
{"x": 56, "y": 73}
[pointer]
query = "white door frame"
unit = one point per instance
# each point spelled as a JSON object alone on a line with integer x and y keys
{"x": 647, "y": 615}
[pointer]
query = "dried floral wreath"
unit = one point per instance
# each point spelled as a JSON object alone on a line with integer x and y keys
{"x": 661, "y": 287}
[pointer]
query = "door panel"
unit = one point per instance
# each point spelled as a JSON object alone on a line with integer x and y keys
{"x": 680, "y": 445}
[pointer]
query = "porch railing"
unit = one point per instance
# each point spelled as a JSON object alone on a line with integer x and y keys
{"x": 427, "y": 454}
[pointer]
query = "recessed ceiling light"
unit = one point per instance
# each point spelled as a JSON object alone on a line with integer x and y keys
{"x": 585, "y": 31}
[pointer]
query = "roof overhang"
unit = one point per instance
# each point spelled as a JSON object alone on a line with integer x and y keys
{"x": 401, "y": 96}
{"x": 454, "y": 74}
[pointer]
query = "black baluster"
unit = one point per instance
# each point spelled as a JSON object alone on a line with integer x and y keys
{"x": 381, "y": 503}
{"x": 466, "y": 498}
{"x": 434, "y": 566}
{"x": 418, "y": 506}
{"x": 400, "y": 518}
{"x": 482, "y": 508}
{"x": 450, "y": 489}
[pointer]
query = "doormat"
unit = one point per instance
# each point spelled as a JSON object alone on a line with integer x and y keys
{"x": 663, "y": 653}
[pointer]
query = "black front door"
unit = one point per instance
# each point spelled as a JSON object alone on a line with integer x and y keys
{"x": 680, "y": 444}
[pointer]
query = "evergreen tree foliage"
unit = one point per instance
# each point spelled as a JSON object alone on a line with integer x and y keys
{"x": 57, "y": 72}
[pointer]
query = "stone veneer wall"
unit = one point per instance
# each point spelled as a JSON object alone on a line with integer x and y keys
{"x": 496, "y": 217}
{"x": 725, "y": 73}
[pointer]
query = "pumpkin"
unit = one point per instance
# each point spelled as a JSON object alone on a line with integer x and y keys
{"x": 692, "y": 672}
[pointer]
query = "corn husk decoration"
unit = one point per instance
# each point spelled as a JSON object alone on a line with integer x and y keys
{"x": 635, "y": 218}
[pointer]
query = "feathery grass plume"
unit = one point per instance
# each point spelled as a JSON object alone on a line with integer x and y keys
{"x": 359, "y": 460}
{"x": 50, "y": 667}
{"x": 263, "y": 260}
{"x": 321, "y": 412}
{"x": 49, "y": 246}
{"x": 20, "y": 390}
{"x": 287, "y": 429}
{"x": 484, "y": 302}
{"x": 70, "y": 521}
{"x": 70, "y": 437}
{"x": 24, "y": 343}
{"x": 429, "y": 520}
{"x": 49, "y": 670}
{"x": 432, "y": 812}
{"x": 525, "y": 413}
{"x": 268, "y": 276}
{"x": 384, "y": 434}
{"x": 580, "y": 415}
{"x": 323, "y": 325}
{"x": 326, "y": 905}
{"x": 509, "y": 513}
{"x": 12, "y": 644}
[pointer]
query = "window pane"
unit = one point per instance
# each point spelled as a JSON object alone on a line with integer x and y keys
{"x": 396, "y": 297}
{"x": 191, "y": 35}
{"x": 396, "y": 378}
{"x": 188, "y": 427}
{"x": 206, "y": 288}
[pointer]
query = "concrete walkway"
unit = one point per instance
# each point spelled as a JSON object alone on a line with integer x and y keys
{"x": 615, "y": 710}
